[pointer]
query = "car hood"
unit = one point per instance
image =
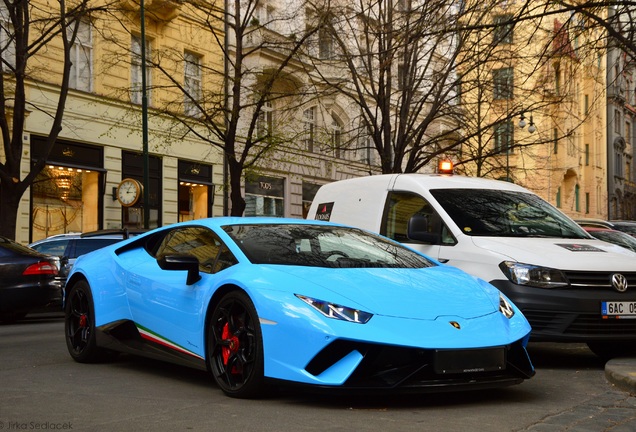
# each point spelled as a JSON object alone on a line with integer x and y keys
{"x": 407, "y": 293}
{"x": 561, "y": 253}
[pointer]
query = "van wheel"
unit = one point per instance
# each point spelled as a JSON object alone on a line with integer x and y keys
{"x": 610, "y": 350}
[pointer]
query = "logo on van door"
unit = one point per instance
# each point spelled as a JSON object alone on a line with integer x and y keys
{"x": 323, "y": 212}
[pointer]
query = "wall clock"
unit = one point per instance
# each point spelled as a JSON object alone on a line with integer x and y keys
{"x": 128, "y": 192}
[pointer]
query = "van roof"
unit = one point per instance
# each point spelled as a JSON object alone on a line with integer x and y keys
{"x": 439, "y": 181}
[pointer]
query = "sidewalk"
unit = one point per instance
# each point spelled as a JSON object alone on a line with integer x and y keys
{"x": 621, "y": 372}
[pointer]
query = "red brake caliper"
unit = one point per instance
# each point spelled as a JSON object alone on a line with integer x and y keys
{"x": 83, "y": 321}
{"x": 232, "y": 346}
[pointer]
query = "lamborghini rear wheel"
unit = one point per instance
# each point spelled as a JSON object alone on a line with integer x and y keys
{"x": 79, "y": 325}
{"x": 235, "y": 347}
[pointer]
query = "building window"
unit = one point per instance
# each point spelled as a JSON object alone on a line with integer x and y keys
{"x": 326, "y": 44}
{"x": 502, "y": 83}
{"x": 7, "y": 39}
{"x": 504, "y": 135}
{"x": 587, "y": 154}
{"x": 336, "y": 135}
{"x": 136, "y": 87}
{"x": 309, "y": 128}
{"x": 366, "y": 150}
{"x": 618, "y": 164}
{"x": 577, "y": 197}
{"x": 587, "y": 203}
{"x": 558, "y": 197}
{"x": 587, "y": 104}
{"x": 264, "y": 15}
{"x": 617, "y": 121}
{"x": 81, "y": 57}
{"x": 265, "y": 121}
{"x": 401, "y": 76}
{"x": 556, "y": 140}
{"x": 503, "y": 31}
{"x": 192, "y": 83}
{"x": 265, "y": 197}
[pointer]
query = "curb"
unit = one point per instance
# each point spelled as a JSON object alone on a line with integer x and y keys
{"x": 621, "y": 372}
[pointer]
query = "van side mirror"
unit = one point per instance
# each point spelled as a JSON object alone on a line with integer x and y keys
{"x": 418, "y": 229}
{"x": 182, "y": 262}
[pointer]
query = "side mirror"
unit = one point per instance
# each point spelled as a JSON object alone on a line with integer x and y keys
{"x": 182, "y": 262}
{"x": 418, "y": 229}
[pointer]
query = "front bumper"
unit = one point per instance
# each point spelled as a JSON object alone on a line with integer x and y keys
{"x": 570, "y": 314}
{"x": 402, "y": 369}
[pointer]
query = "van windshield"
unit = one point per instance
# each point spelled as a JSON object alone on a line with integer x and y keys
{"x": 485, "y": 212}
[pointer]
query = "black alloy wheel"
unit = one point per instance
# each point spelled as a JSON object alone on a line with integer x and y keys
{"x": 235, "y": 347}
{"x": 79, "y": 325}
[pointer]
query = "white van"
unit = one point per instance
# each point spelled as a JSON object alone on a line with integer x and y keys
{"x": 570, "y": 286}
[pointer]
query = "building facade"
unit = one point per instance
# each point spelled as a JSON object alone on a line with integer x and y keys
{"x": 539, "y": 101}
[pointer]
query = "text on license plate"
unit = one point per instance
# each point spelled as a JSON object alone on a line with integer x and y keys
{"x": 619, "y": 309}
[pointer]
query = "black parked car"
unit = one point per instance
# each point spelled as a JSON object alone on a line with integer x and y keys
{"x": 28, "y": 280}
{"x": 69, "y": 246}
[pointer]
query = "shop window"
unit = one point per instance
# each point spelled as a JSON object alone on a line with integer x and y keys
{"x": 65, "y": 200}
{"x": 309, "y": 192}
{"x": 196, "y": 191}
{"x": 265, "y": 197}
{"x": 133, "y": 167}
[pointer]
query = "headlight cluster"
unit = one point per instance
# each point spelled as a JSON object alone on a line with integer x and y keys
{"x": 531, "y": 275}
{"x": 335, "y": 311}
{"x": 505, "y": 307}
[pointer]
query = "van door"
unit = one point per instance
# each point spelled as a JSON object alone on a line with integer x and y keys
{"x": 399, "y": 208}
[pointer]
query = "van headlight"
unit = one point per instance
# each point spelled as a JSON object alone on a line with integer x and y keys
{"x": 531, "y": 275}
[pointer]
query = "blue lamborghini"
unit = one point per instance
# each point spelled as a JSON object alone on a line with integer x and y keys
{"x": 257, "y": 301}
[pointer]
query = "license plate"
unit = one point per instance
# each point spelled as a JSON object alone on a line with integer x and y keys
{"x": 619, "y": 309}
{"x": 470, "y": 360}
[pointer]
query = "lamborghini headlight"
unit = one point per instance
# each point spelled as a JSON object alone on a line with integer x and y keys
{"x": 505, "y": 307}
{"x": 531, "y": 275}
{"x": 335, "y": 311}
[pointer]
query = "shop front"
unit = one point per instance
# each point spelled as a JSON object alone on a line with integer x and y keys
{"x": 67, "y": 195}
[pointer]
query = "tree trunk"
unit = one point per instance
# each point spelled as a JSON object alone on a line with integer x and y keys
{"x": 237, "y": 202}
{"x": 10, "y": 194}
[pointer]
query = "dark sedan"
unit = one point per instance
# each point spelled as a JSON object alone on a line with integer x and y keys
{"x": 27, "y": 280}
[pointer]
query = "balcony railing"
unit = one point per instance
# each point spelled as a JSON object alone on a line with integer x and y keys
{"x": 164, "y": 10}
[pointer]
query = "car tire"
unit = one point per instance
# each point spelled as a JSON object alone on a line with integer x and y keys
{"x": 235, "y": 347}
{"x": 610, "y": 350}
{"x": 79, "y": 326}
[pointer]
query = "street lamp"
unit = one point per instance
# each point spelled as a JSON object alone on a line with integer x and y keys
{"x": 522, "y": 123}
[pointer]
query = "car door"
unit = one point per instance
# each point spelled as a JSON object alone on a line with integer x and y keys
{"x": 400, "y": 207}
{"x": 161, "y": 302}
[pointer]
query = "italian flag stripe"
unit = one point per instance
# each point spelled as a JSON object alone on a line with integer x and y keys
{"x": 154, "y": 337}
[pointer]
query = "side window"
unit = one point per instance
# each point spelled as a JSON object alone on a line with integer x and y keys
{"x": 83, "y": 246}
{"x": 54, "y": 247}
{"x": 201, "y": 243}
{"x": 400, "y": 207}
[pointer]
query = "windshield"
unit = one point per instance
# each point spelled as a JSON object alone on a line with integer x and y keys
{"x": 321, "y": 246}
{"x": 616, "y": 237}
{"x": 485, "y": 212}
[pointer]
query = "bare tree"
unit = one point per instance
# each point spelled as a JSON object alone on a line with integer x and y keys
{"x": 258, "y": 69}
{"x": 27, "y": 32}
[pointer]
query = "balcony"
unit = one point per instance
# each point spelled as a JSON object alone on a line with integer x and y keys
{"x": 158, "y": 10}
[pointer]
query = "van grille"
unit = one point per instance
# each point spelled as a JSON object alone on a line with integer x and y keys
{"x": 597, "y": 279}
{"x": 579, "y": 324}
